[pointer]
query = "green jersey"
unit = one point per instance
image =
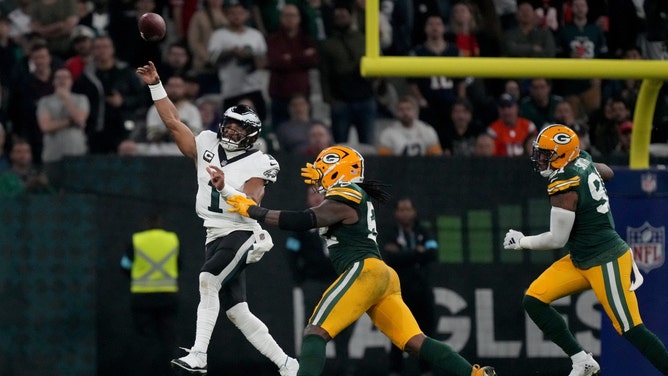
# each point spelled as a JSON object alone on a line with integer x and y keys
{"x": 593, "y": 239}
{"x": 349, "y": 243}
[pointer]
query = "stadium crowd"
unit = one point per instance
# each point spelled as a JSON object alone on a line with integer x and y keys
{"x": 69, "y": 87}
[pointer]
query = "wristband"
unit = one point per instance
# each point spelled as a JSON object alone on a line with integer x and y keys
{"x": 257, "y": 212}
{"x": 157, "y": 91}
{"x": 228, "y": 191}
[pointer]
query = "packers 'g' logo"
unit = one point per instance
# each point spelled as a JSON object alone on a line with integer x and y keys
{"x": 561, "y": 138}
{"x": 331, "y": 158}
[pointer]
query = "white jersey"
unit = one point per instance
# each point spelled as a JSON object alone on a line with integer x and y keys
{"x": 238, "y": 166}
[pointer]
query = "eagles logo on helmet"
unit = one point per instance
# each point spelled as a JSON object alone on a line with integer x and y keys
{"x": 555, "y": 146}
{"x": 247, "y": 119}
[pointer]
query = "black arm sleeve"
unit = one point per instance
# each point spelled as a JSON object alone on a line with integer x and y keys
{"x": 297, "y": 221}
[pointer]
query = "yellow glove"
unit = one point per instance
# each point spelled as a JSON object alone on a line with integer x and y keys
{"x": 311, "y": 174}
{"x": 240, "y": 204}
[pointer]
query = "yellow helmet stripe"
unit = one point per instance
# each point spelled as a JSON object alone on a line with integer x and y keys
{"x": 562, "y": 185}
{"x": 347, "y": 193}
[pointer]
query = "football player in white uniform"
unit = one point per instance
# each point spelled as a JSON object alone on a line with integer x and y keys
{"x": 232, "y": 241}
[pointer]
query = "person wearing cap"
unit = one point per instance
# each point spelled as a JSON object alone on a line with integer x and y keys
{"x": 509, "y": 130}
{"x": 82, "y": 46}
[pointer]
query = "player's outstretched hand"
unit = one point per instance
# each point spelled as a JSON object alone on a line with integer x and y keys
{"x": 149, "y": 74}
{"x": 310, "y": 174}
{"x": 512, "y": 239}
{"x": 217, "y": 177}
{"x": 240, "y": 204}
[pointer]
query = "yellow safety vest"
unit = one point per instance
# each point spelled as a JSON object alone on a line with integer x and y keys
{"x": 154, "y": 268}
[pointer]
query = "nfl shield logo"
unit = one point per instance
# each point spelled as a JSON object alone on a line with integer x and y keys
{"x": 648, "y": 182}
{"x": 648, "y": 244}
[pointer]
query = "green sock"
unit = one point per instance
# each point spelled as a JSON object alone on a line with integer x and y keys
{"x": 552, "y": 324}
{"x": 441, "y": 355}
{"x": 650, "y": 346}
{"x": 312, "y": 358}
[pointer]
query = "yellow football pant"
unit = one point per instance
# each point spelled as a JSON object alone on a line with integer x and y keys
{"x": 367, "y": 286}
{"x": 610, "y": 282}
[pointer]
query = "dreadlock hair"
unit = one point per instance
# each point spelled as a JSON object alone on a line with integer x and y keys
{"x": 375, "y": 189}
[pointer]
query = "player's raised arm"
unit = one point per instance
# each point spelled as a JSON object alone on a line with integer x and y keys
{"x": 182, "y": 135}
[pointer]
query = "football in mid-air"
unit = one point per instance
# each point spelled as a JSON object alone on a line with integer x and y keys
{"x": 152, "y": 27}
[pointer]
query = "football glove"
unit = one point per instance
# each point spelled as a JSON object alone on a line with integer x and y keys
{"x": 311, "y": 174}
{"x": 262, "y": 245}
{"x": 512, "y": 239}
{"x": 240, "y": 204}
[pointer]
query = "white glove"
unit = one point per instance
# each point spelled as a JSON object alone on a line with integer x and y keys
{"x": 512, "y": 239}
{"x": 262, "y": 245}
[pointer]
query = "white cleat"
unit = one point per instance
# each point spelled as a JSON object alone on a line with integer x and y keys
{"x": 289, "y": 368}
{"x": 194, "y": 362}
{"x": 585, "y": 367}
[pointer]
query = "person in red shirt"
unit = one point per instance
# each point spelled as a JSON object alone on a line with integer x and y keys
{"x": 509, "y": 130}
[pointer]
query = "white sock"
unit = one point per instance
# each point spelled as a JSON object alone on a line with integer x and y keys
{"x": 207, "y": 311}
{"x": 256, "y": 333}
{"x": 579, "y": 357}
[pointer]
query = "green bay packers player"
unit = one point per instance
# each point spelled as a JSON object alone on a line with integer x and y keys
{"x": 232, "y": 241}
{"x": 346, "y": 219}
{"x": 598, "y": 258}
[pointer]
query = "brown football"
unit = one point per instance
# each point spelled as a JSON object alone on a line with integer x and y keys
{"x": 152, "y": 27}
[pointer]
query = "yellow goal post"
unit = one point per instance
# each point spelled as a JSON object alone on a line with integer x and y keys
{"x": 651, "y": 72}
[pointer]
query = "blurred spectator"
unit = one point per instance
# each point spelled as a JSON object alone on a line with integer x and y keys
{"x": 115, "y": 94}
{"x": 54, "y": 21}
{"x": 292, "y": 134}
{"x": 436, "y": 94}
{"x": 20, "y": 21}
{"x": 193, "y": 86}
{"x": 239, "y": 53}
{"x": 29, "y": 83}
{"x": 23, "y": 176}
{"x": 177, "y": 61}
{"x": 204, "y": 21}
{"x": 130, "y": 47}
{"x": 547, "y": 15}
{"x": 581, "y": 40}
{"x": 484, "y": 146}
{"x": 628, "y": 89}
{"x": 509, "y": 130}
{"x": 4, "y": 159}
{"x": 461, "y": 137}
{"x": 464, "y": 21}
{"x": 349, "y": 95}
{"x": 156, "y": 131}
{"x": 209, "y": 110}
{"x": 623, "y": 146}
{"x": 313, "y": 272}
{"x": 319, "y": 20}
{"x": 127, "y": 148}
{"x": 512, "y": 87}
{"x": 528, "y": 144}
{"x": 564, "y": 114}
{"x": 98, "y": 18}
{"x": 527, "y": 39}
{"x": 62, "y": 118}
{"x": 408, "y": 136}
{"x": 9, "y": 51}
{"x": 506, "y": 11}
{"x": 291, "y": 54}
{"x": 83, "y": 8}
{"x": 181, "y": 13}
{"x": 608, "y": 132}
{"x": 82, "y": 46}
{"x": 411, "y": 250}
{"x": 319, "y": 139}
{"x": 540, "y": 104}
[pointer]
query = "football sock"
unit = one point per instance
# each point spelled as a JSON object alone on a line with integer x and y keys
{"x": 650, "y": 346}
{"x": 442, "y": 356}
{"x": 552, "y": 324}
{"x": 256, "y": 333}
{"x": 207, "y": 311}
{"x": 312, "y": 357}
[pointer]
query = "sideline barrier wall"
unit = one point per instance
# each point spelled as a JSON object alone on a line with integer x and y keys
{"x": 77, "y": 238}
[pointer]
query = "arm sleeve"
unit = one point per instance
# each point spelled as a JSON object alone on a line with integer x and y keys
{"x": 561, "y": 223}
